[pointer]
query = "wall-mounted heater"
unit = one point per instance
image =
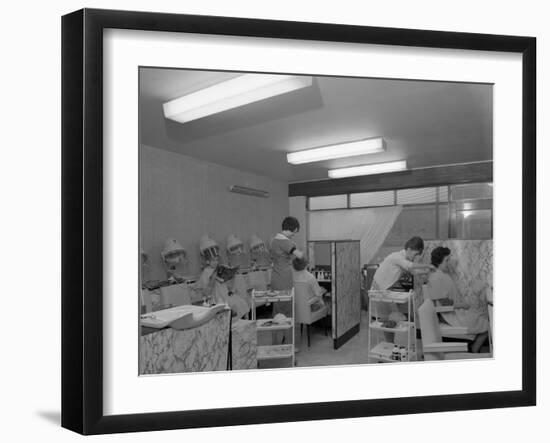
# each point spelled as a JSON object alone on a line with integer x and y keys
{"x": 248, "y": 191}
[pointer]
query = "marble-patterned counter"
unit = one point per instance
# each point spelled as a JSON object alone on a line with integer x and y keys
{"x": 471, "y": 268}
{"x": 244, "y": 344}
{"x": 204, "y": 348}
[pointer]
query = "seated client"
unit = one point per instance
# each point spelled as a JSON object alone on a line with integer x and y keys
{"x": 444, "y": 292}
{"x": 302, "y": 275}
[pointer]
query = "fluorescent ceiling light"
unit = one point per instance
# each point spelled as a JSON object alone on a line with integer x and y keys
{"x": 239, "y": 91}
{"x": 379, "y": 168}
{"x": 340, "y": 150}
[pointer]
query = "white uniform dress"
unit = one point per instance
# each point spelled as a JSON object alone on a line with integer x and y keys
{"x": 440, "y": 286}
{"x": 391, "y": 269}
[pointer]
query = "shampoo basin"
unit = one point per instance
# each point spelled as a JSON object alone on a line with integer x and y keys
{"x": 181, "y": 317}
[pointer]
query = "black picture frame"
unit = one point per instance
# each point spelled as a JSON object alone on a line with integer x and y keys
{"x": 82, "y": 218}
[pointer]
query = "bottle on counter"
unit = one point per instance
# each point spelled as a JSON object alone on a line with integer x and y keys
{"x": 395, "y": 355}
{"x": 402, "y": 353}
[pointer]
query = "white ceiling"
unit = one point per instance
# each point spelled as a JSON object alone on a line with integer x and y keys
{"x": 425, "y": 123}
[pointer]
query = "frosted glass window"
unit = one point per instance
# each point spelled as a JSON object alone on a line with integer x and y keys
{"x": 476, "y": 225}
{"x": 443, "y": 193}
{"x": 382, "y": 198}
{"x": 472, "y": 191}
{"x": 328, "y": 202}
{"x": 413, "y": 221}
{"x": 443, "y": 228}
{"x": 415, "y": 196}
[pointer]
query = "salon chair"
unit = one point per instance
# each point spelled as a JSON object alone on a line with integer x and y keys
{"x": 448, "y": 331}
{"x": 432, "y": 345}
{"x": 304, "y": 314}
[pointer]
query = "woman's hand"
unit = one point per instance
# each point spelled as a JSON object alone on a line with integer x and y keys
{"x": 420, "y": 268}
{"x": 315, "y": 299}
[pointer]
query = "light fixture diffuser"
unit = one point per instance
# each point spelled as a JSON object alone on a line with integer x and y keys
{"x": 248, "y": 191}
{"x": 340, "y": 150}
{"x": 238, "y": 91}
{"x": 379, "y": 168}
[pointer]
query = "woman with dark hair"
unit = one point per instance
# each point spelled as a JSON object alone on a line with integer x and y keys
{"x": 283, "y": 250}
{"x": 443, "y": 291}
{"x": 390, "y": 271}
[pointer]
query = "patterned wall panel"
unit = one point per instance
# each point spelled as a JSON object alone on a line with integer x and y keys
{"x": 348, "y": 286}
{"x": 471, "y": 267}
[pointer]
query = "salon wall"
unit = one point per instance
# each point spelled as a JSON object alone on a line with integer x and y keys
{"x": 184, "y": 198}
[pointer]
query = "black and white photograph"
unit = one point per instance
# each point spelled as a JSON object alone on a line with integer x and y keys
{"x": 266, "y": 221}
{"x": 295, "y": 221}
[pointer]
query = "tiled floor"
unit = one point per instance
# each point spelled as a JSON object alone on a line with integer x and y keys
{"x": 322, "y": 352}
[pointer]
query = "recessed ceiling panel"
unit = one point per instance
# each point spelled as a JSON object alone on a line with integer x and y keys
{"x": 425, "y": 123}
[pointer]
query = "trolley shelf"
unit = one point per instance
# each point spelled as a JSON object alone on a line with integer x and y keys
{"x": 275, "y": 351}
{"x": 386, "y": 296}
{"x": 383, "y": 350}
{"x": 402, "y": 327}
{"x": 266, "y": 299}
{"x": 268, "y": 325}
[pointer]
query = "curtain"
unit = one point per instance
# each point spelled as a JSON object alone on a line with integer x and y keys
{"x": 371, "y": 226}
